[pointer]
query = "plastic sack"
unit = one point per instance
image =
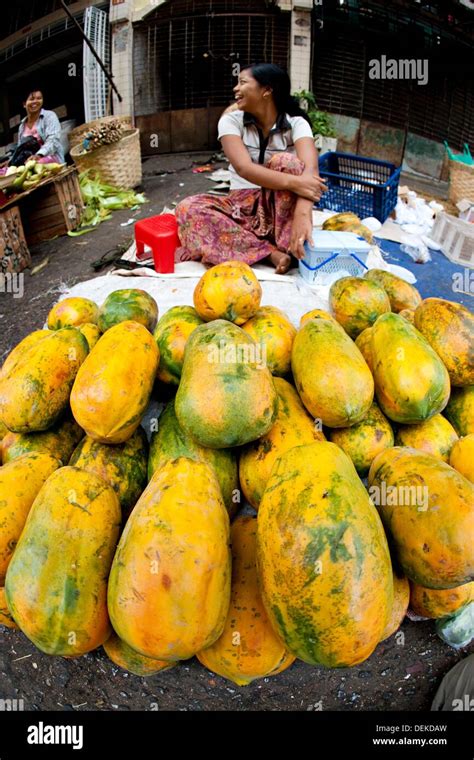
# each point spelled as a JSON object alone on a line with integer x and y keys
{"x": 457, "y": 630}
{"x": 414, "y": 246}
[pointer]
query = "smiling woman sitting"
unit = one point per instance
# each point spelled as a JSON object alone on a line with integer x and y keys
{"x": 274, "y": 179}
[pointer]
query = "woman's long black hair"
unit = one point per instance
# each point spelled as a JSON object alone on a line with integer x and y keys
{"x": 271, "y": 75}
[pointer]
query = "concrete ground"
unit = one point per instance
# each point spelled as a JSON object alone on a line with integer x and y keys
{"x": 402, "y": 674}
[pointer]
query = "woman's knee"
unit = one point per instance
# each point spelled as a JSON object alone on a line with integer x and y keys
{"x": 188, "y": 207}
{"x": 286, "y": 162}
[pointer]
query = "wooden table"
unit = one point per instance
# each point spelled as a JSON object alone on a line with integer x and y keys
{"x": 51, "y": 208}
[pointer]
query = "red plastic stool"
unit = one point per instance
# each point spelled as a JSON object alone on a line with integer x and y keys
{"x": 160, "y": 233}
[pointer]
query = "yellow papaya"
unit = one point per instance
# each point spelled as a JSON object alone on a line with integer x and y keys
{"x": 169, "y": 587}
{"x": 408, "y": 314}
{"x": 228, "y": 291}
{"x": 248, "y": 647}
{"x": 21, "y": 348}
{"x": 91, "y": 333}
{"x": 460, "y": 409}
{"x": 5, "y": 614}
{"x": 356, "y": 303}
{"x": 226, "y": 396}
{"x": 272, "y": 330}
{"x": 123, "y": 466}
{"x": 411, "y": 381}
{"x": 364, "y": 344}
{"x": 331, "y": 375}
{"x": 171, "y": 335}
{"x": 401, "y": 599}
{"x": 20, "y": 483}
{"x": 402, "y": 294}
{"x": 427, "y": 511}
{"x": 60, "y": 441}
{"x": 56, "y": 584}
{"x": 34, "y": 392}
{"x": 436, "y": 603}
{"x": 449, "y": 329}
{"x": 462, "y": 456}
{"x": 293, "y": 427}
{"x": 322, "y": 557}
{"x": 125, "y": 657}
{"x": 72, "y": 312}
{"x": 364, "y": 440}
{"x": 318, "y": 314}
{"x": 111, "y": 393}
{"x": 435, "y": 436}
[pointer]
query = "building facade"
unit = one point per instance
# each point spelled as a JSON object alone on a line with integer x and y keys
{"x": 398, "y": 77}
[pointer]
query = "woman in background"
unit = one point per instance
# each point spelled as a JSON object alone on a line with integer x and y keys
{"x": 44, "y": 126}
{"x": 274, "y": 179}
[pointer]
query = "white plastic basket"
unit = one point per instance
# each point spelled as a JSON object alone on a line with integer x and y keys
{"x": 334, "y": 252}
{"x": 456, "y": 238}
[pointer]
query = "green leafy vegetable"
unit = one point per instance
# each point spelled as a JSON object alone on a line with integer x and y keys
{"x": 100, "y": 199}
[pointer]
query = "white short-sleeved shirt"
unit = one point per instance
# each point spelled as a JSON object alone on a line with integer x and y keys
{"x": 282, "y": 138}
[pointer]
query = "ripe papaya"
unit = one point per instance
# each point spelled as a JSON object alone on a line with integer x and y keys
{"x": 462, "y": 456}
{"x": 436, "y": 603}
{"x": 322, "y": 557}
{"x": 449, "y": 329}
{"x": 72, "y": 312}
{"x": 91, "y": 333}
{"x": 357, "y": 303}
{"x": 435, "y": 436}
{"x": 411, "y": 381}
{"x": 318, "y": 314}
{"x": 226, "y": 396}
{"x": 364, "y": 440}
{"x": 272, "y": 330}
{"x": 20, "y": 483}
{"x": 171, "y": 335}
{"x": 293, "y": 427}
{"x": 60, "y": 441}
{"x": 364, "y": 344}
{"x": 169, "y": 587}
{"x": 123, "y": 466}
{"x": 427, "y": 511}
{"x": 56, "y": 584}
{"x": 125, "y": 657}
{"x": 331, "y": 375}
{"x": 228, "y": 291}
{"x": 248, "y": 647}
{"x": 34, "y": 392}
{"x": 111, "y": 393}
{"x": 21, "y": 348}
{"x": 401, "y": 599}
{"x": 460, "y": 410}
{"x": 402, "y": 295}
{"x": 408, "y": 314}
{"x": 5, "y": 614}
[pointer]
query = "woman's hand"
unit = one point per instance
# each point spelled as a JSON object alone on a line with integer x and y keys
{"x": 309, "y": 186}
{"x": 301, "y": 231}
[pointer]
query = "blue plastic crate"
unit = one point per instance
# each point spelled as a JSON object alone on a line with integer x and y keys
{"x": 365, "y": 186}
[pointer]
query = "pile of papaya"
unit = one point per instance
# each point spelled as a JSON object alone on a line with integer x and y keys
{"x": 300, "y": 492}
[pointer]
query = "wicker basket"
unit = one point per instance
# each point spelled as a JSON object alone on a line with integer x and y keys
{"x": 77, "y": 134}
{"x": 461, "y": 181}
{"x": 117, "y": 164}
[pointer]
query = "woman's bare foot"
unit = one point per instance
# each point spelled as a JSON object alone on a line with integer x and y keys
{"x": 186, "y": 256}
{"x": 281, "y": 261}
